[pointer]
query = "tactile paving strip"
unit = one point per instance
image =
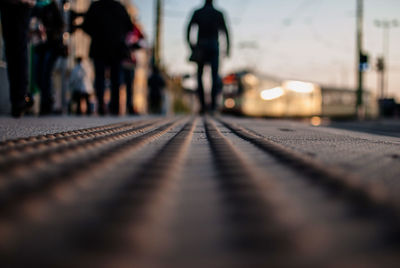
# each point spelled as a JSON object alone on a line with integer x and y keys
{"x": 82, "y": 199}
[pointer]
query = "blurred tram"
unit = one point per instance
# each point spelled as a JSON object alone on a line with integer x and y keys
{"x": 248, "y": 94}
{"x": 340, "y": 103}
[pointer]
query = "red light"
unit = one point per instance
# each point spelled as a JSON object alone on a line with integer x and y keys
{"x": 230, "y": 79}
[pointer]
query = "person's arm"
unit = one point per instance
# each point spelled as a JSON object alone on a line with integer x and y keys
{"x": 226, "y": 32}
{"x": 189, "y": 28}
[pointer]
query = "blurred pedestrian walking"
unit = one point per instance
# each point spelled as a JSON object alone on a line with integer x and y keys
{"x": 15, "y": 16}
{"x": 107, "y": 22}
{"x": 81, "y": 86}
{"x": 210, "y": 23}
{"x": 47, "y": 52}
{"x": 134, "y": 41}
{"x": 156, "y": 85}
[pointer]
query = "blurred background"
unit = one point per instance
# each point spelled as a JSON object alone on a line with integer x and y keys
{"x": 313, "y": 41}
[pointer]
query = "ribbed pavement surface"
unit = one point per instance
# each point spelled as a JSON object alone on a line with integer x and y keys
{"x": 198, "y": 192}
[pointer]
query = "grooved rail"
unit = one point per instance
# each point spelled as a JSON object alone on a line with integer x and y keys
{"x": 115, "y": 196}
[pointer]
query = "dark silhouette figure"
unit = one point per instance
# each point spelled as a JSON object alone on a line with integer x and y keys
{"x": 15, "y": 20}
{"x": 107, "y": 22}
{"x": 210, "y": 24}
{"x": 48, "y": 52}
{"x": 156, "y": 86}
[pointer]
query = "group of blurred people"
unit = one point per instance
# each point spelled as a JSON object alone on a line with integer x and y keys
{"x": 114, "y": 39}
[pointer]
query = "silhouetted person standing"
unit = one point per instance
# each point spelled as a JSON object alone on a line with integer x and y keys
{"x": 15, "y": 20}
{"x": 210, "y": 23}
{"x": 107, "y": 22}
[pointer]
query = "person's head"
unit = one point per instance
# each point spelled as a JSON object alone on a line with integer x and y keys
{"x": 209, "y": 1}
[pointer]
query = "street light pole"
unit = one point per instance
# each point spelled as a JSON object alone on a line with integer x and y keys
{"x": 157, "y": 38}
{"x": 359, "y": 103}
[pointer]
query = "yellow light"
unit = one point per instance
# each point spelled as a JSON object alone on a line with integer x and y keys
{"x": 250, "y": 79}
{"x": 299, "y": 87}
{"x": 273, "y": 93}
{"x": 229, "y": 103}
{"x": 316, "y": 121}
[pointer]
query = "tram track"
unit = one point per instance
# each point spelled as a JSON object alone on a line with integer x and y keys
{"x": 106, "y": 197}
{"x": 41, "y": 171}
{"x": 133, "y": 188}
{"x": 26, "y": 149}
{"x": 360, "y": 213}
{"x": 250, "y": 206}
{"x": 334, "y": 178}
{"x": 15, "y": 144}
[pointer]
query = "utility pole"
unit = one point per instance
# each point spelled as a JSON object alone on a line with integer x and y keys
{"x": 157, "y": 37}
{"x": 360, "y": 59}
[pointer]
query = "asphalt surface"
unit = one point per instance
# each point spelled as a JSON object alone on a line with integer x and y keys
{"x": 383, "y": 127}
{"x": 197, "y": 192}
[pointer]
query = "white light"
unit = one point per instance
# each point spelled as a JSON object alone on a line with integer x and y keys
{"x": 273, "y": 93}
{"x": 299, "y": 87}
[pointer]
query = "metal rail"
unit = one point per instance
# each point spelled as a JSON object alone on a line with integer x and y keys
{"x": 41, "y": 171}
{"x": 360, "y": 215}
{"x": 124, "y": 204}
{"x": 103, "y": 197}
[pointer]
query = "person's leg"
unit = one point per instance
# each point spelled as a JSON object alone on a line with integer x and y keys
{"x": 71, "y": 104}
{"x": 99, "y": 85}
{"x": 115, "y": 83}
{"x": 15, "y": 21}
{"x": 216, "y": 81}
{"x": 158, "y": 104}
{"x": 88, "y": 108}
{"x": 74, "y": 101}
{"x": 79, "y": 97}
{"x": 46, "y": 101}
{"x": 200, "y": 87}
{"x": 129, "y": 75}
